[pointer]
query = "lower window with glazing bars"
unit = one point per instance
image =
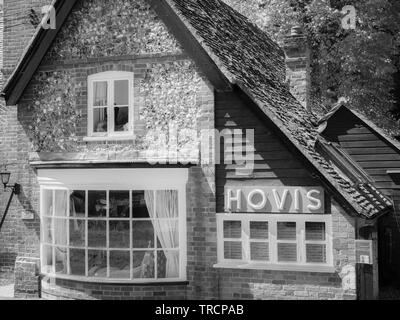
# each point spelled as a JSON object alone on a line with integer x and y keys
{"x": 275, "y": 240}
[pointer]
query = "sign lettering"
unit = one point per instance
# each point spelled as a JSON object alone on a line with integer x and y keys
{"x": 274, "y": 199}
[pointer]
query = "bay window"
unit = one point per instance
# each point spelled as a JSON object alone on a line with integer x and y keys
{"x": 268, "y": 241}
{"x": 134, "y": 234}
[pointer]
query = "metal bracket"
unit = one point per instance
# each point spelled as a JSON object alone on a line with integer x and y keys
{"x": 16, "y": 189}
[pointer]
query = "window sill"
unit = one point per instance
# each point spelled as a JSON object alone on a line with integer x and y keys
{"x": 276, "y": 267}
{"x": 110, "y": 138}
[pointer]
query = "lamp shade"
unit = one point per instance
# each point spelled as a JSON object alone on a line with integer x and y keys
{"x": 5, "y": 177}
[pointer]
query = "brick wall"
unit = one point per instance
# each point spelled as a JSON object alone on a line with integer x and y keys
{"x": 18, "y": 29}
{"x": 20, "y": 232}
{"x": 75, "y": 290}
{"x": 26, "y": 278}
{"x": 1, "y": 39}
{"x": 18, "y": 236}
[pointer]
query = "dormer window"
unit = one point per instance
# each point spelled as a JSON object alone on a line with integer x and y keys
{"x": 110, "y": 105}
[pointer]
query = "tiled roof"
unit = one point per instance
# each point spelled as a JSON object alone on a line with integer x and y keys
{"x": 250, "y": 59}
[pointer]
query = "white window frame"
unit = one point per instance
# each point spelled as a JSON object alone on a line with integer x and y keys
{"x": 110, "y": 77}
{"x": 110, "y": 179}
{"x": 273, "y": 263}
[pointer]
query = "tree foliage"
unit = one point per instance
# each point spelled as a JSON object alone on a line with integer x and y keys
{"x": 361, "y": 65}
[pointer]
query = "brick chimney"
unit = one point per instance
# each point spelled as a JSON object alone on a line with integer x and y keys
{"x": 297, "y": 54}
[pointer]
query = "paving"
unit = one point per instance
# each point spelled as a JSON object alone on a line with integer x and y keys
{"x": 6, "y": 291}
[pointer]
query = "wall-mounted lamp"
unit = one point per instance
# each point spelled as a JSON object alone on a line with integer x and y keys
{"x": 15, "y": 188}
{"x": 5, "y": 179}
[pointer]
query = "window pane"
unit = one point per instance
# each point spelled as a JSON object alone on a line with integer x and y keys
{"x": 143, "y": 234}
{"x": 167, "y": 264}
{"x": 61, "y": 260}
{"x": 119, "y": 204}
{"x": 143, "y": 264}
{"x": 286, "y": 230}
{"x": 232, "y": 229}
{"x": 60, "y": 231}
{"x": 315, "y": 231}
{"x": 97, "y": 203}
{"x": 121, "y": 92}
{"x": 47, "y": 230}
{"x": 258, "y": 230}
{"x": 316, "y": 253}
{"x": 259, "y": 251}
{"x": 119, "y": 234}
{"x": 47, "y": 263}
{"x": 120, "y": 267}
{"x": 233, "y": 250}
{"x": 167, "y": 204}
{"x": 287, "y": 252}
{"x": 100, "y": 94}
{"x": 139, "y": 207}
{"x": 100, "y": 120}
{"x": 97, "y": 263}
{"x": 77, "y": 262}
{"x": 77, "y": 204}
{"x": 47, "y": 204}
{"x": 97, "y": 234}
{"x": 121, "y": 119}
{"x": 77, "y": 233}
{"x": 60, "y": 203}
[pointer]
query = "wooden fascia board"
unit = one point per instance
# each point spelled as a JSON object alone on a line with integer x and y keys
{"x": 347, "y": 166}
{"x": 35, "y": 54}
{"x": 191, "y": 45}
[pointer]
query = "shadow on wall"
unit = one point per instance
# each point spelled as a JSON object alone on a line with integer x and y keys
{"x": 21, "y": 223}
{"x": 6, "y": 259}
{"x": 7, "y": 262}
{"x": 29, "y": 210}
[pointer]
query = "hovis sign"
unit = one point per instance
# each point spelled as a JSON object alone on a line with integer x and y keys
{"x": 274, "y": 199}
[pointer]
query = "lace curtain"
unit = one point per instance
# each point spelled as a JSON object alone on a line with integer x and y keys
{"x": 60, "y": 229}
{"x": 163, "y": 209}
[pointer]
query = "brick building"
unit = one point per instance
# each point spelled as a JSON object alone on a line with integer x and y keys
{"x": 113, "y": 122}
